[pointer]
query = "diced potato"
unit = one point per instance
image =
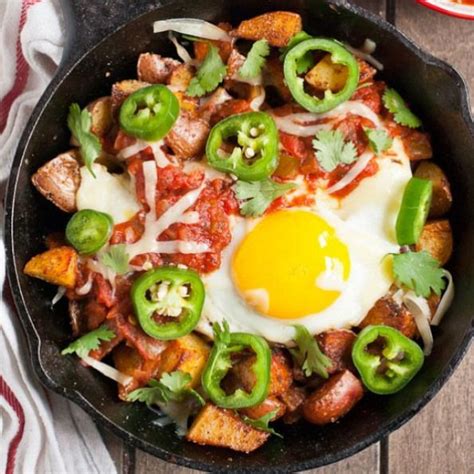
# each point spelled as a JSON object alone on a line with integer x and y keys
{"x": 276, "y": 27}
{"x": 327, "y": 75}
{"x": 188, "y": 354}
{"x": 154, "y": 68}
{"x": 180, "y": 78}
{"x": 57, "y": 266}
{"x": 417, "y": 145}
{"x": 442, "y": 197}
{"x": 101, "y": 112}
{"x": 437, "y": 239}
{"x": 121, "y": 90}
{"x": 223, "y": 428}
{"x": 59, "y": 179}
{"x": 388, "y": 312}
{"x": 189, "y": 104}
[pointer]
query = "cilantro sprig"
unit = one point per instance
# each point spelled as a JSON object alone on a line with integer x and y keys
{"x": 418, "y": 271}
{"x": 262, "y": 423}
{"x": 308, "y": 355}
{"x": 116, "y": 258}
{"x": 209, "y": 75}
{"x": 89, "y": 342}
{"x": 379, "y": 140}
{"x": 80, "y": 123}
{"x": 306, "y": 61}
{"x": 172, "y": 387}
{"x": 255, "y": 60}
{"x": 256, "y": 196}
{"x": 332, "y": 150}
{"x": 397, "y": 106}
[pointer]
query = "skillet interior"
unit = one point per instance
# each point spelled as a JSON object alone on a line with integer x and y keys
{"x": 437, "y": 94}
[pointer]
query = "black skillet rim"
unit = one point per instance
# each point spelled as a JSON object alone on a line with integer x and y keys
{"x": 34, "y": 341}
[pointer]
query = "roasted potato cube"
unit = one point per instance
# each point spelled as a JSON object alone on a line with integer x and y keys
{"x": 188, "y": 136}
{"x": 442, "y": 197}
{"x": 59, "y": 179}
{"x": 57, "y": 266}
{"x": 154, "y": 68}
{"x": 327, "y": 75}
{"x": 333, "y": 399}
{"x": 276, "y": 27}
{"x": 268, "y": 405}
{"x": 181, "y": 76}
{"x": 388, "y": 312}
{"x": 437, "y": 239}
{"x": 121, "y": 90}
{"x": 188, "y": 354}
{"x": 223, "y": 428}
{"x": 280, "y": 374}
{"x": 337, "y": 345}
{"x": 101, "y": 112}
{"x": 189, "y": 104}
{"x": 417, "y": 145}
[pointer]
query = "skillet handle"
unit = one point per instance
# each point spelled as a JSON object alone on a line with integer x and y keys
{"x": 87, "y": 22}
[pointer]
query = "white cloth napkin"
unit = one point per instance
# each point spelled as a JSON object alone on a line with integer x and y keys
{"x": 41, "y": 432}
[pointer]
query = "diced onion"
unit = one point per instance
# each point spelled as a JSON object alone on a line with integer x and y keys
{"x": 180, "y": 49}
{"x": 257, "y": 101}
{"x": 446, "y": 300}
{"x": 133, "y": 149}
{"x": 86, "y": 287}
{"x": 192, "y": 27}
{"x": 107, "y": 370}
{"x": 420, "y": 311}
{"x": 352, "y": 174}
{"x": 161, "y": 158}
{"x": 59, "y": 294}
{"x": 140, "y": 145}
{"x": 364, "y": 54}
{"x": 287, "y": 125}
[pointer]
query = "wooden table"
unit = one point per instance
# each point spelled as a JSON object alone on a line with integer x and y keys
{"x": 440, "y": 439}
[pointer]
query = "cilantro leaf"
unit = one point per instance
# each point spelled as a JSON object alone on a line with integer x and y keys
{"x": 258, "y": 195}
{"x": 255, "y": 60}
{"x": 172, "y": 387}
{"x": 420, "y": 272}
{"x": 80, "y": 122}
{"x": 89, "y": 342}
{"x": 209, "y": 75}
{"x": 308, "y": 355}
{"x": 262, "y": 423}
{"x": 116, "y": 258}
{"x": 332, "y": 150}
{"x": 306, "y": 61}
{"x": 397, "y": 106}
{"x": 379, "y": 140}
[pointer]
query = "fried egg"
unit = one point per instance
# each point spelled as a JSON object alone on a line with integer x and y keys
{"x": 323, "y": 267}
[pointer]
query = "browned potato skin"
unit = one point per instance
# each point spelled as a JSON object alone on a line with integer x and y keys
{"x": 188, "y": 136}
{"x": 269, "y": 405}
{"x": 187, "y": 354}
{"x": 154, "y": 68}
{"x": 280, "y": 374}
{"x": 442, "y": 197}
{"x": 181, "y": 76}
{"x": 101, "y": 113}
{"x": 276, "y": 27}
{"x": 59, "y": 179}
{"x": 337, "y": 345}
{"x": 417, "y": 145}
{"x": 57, "y": 266}
{"x": 223, "y": 428}
{"x": 437, "y": 239}
{"x": 121, "y": 90}
{"x": 389, "y": 313}
{"x": 333, "y": 399}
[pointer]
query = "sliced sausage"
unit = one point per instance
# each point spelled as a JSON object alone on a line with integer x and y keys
{"x": 333, "y": 399}
{"x": 337, "y": 345}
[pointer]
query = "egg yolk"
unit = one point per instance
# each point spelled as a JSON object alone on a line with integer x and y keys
{"x": 290, "y": 265}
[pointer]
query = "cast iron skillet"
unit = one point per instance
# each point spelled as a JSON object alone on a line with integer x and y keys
{"x": 105, "y": 40}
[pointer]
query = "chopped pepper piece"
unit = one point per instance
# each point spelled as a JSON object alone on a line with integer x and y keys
{"x": 170, "y": 293}
{"x": 339, "y": 56}
{"x": 386, "y": 359}
{"x": 219, "y": 364}
{"x": 254, "y": 156}
{"x": 149, "y": 113}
